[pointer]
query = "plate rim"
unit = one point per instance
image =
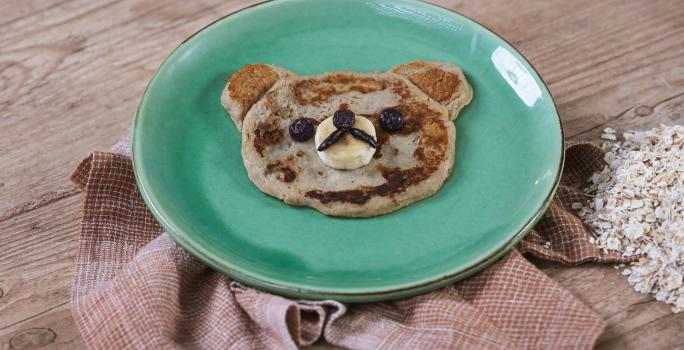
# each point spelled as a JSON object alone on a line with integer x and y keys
{"x": 374, "y": 294}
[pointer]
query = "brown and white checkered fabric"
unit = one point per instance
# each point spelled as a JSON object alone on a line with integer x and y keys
{"x": 135, "y": 289}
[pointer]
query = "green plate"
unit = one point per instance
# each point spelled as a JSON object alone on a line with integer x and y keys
{"x": 186, "y": 153}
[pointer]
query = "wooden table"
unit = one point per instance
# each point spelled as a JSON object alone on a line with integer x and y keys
{"x": 72, "y": 72}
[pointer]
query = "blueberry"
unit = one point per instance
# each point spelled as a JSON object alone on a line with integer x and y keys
{"x": 301, "y": 129}
{"x": 331, "y": 139}
{"x": 343, "y": 119}
{"x": 363, "y": 136}
{"x": 391, "y": 119}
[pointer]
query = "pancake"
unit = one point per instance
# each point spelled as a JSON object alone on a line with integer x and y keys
{"x": 410, "y": 164}
{"x": 443, "y": 82}
{"x": 247, "y": 86}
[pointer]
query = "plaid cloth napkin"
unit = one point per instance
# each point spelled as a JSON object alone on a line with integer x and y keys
{"x": 135, "y": 288}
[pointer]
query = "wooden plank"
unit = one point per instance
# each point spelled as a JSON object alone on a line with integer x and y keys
{"x": 666, "y": 332}
{"x": 629, "y": 315}
{"x": 36, "y": 259}
{"x": 52, "y": 330}
{"x": 667, "y": 110}
{"x": 72, "y": 83}
{"x": 14, "y": 11}
{"x": 597, "y": 66}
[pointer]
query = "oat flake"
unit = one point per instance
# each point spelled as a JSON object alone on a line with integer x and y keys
{"x": 636, "y": 206}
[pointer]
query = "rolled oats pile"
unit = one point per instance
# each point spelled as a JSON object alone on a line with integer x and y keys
{"x": 636, "y": 207}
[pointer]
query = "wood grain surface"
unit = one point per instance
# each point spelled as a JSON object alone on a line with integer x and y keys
{"x": 72, "y": 73}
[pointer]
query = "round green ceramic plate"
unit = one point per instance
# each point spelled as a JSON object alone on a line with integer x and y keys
{"x": 186, "y": 153}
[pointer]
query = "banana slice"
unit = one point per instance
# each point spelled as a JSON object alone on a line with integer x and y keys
{"x": 347, "y": 152}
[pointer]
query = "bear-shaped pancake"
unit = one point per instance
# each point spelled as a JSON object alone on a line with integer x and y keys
{"x": 408, "y": 165}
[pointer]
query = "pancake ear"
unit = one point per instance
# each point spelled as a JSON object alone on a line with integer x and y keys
{"x": 247, "y": 86}
{"x": 443, "y": 82}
